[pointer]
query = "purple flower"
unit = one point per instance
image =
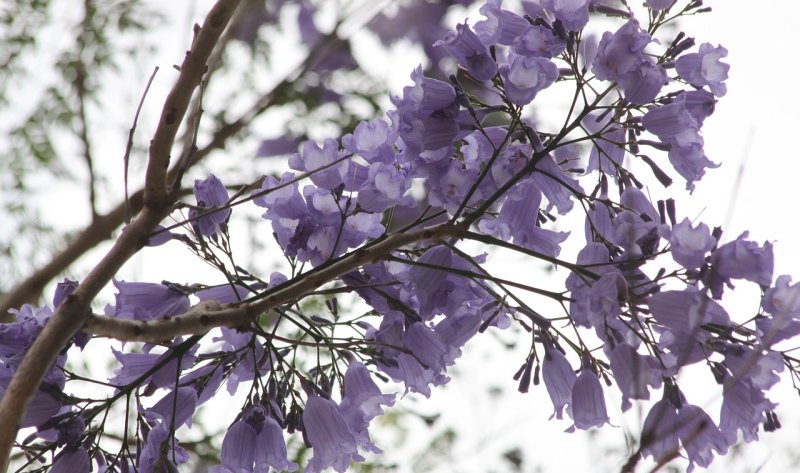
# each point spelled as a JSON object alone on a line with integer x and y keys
{"x": 740, "y": 259}
{"x": 744, "y": 408}
{"x": 465, "y": 46}
{"x": 63, "y": 290}
{"x": 161, "y": 452}
{"x": 135, "y": 365}
{"x": 517, "y": 221}
{"x": 71, "y": 460}
{"x": 634, "y": 373}
{"x": 620, "y": 58}
{"x": 559, "y": 379}
{"x": 174, "y": 409}
{"x": 607, "y": 150}
{"x": 573, "y": 14}
{"x": 660, "y": 430}
{"x": 210, "y": 193}
{"x": 782, "y": 303}
{"x": 320, "y": 163}
{"x": 500, "y": 26}
{"x": 332, "y": 441}
{"x": 525, "y": 76}
{"x": 224, "y": 294}
{"x": 699, "y": 436}
{"x": 705, "y": 68}
{"x": 659, "y": 4}
{"x": 686, "y": 310}
{"x": 44, "y": 405}
{"x": 690, "y": 244}
{"x": 372, "y": 140}
{"x": 385, "y": 187}
{"x": 254, "y": 443}
{"x": 426, "y": 115}
{"x": 539, "y": 41}
{"x": 147, "y": 301}
{"x": 588, "y": 404}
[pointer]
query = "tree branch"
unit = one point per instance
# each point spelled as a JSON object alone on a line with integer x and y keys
{"x": 73, "y": 312}
{"x": 100, "y": 229}
{"x": 208, "y": 314}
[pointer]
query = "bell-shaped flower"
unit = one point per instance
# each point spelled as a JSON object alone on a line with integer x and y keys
{"x": 699, "y": 436}
{"x": 500, "y": 26}
{"x": 333, "y": 443}
{"x": 468, "y": 50}
{"x": 525, "y": 76}
{"x": 327, "y": 164}
{"x": 71, "y": 460}
{"x": 559, "y": 379}
{"x": 573, "y": 14}
{"x": 740, "y": 259}
{"x": 588, "y": 404}
{"x": 175, "y": 409}
{"x": 147, "y": 301}
{"x": 634, "y": 373}
{"x": 705, "y": 68}
{"x": 660, "y": 438}
{"x": 161, "y": 451}
{"x": 689, "y": 244}
{"x": 210, "y": 194}
{"x": 539, "y": 41}
{"x": 254, "y": 443}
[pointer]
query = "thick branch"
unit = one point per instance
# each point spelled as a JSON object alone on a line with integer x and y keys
{"x": 207, "y": 315}
{"x": 192, "y": 71}
{"x": 72, "y": 314}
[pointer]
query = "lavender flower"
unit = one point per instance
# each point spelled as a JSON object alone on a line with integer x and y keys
{"x": 210, "y": 193}
{"x": 465, "y": 46}
{"x": 559, "y": 379}
{"x": 147, "y": 301}
{"x": 588, "y": 404}
{"x": 699, "y": 436}
{"x": 704, "y": 68}
{"x": 333, "y": 443}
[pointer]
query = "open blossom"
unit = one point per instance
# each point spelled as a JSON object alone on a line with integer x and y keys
{"x": 559, "y": 379}
{"x": 525, "y": 76}
{"x": 620, "y": 58}
{"x": 588, "y": 404}
{"x": 689, "y": 244}
{"x": 740, "y": 259}
{"x": 704, "y": 68}
{"x": 465, "y": 46}
{"x": 573, "y": 14}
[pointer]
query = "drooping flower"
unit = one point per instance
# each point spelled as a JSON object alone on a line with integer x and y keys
{"x": 254, "y": 443}
{"x": 620, "y": 58}
{"x": 699, "y": 436}
{"x": 740, "y": 259}
{"x": 525, "y": 76}
{"x": 333, "y": 443}
{"x": 588, "y": 403}
{"x": 634, "y": 373}
{"x": 71, "y": 460}
{"x": 161, "y": 452}
{"x": 689, "y": 244}
{"x": 705, "y": 68}
{"x": 465, "y": 46}
{"x": 210, "y": 194}
{"x": 147, "y": 301}
{"x": 660, "y": 430}
{"x": 559, "y": 379}
{"x": 326, "y": 164}
{"x": 573, "y": 14}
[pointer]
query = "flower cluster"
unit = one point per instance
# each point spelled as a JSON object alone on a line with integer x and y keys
{"x": 465, "y": 158}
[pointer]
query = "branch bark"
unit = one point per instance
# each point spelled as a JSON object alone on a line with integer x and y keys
{"x": 72, "y": 314}
{"x": 207, "y": 315}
